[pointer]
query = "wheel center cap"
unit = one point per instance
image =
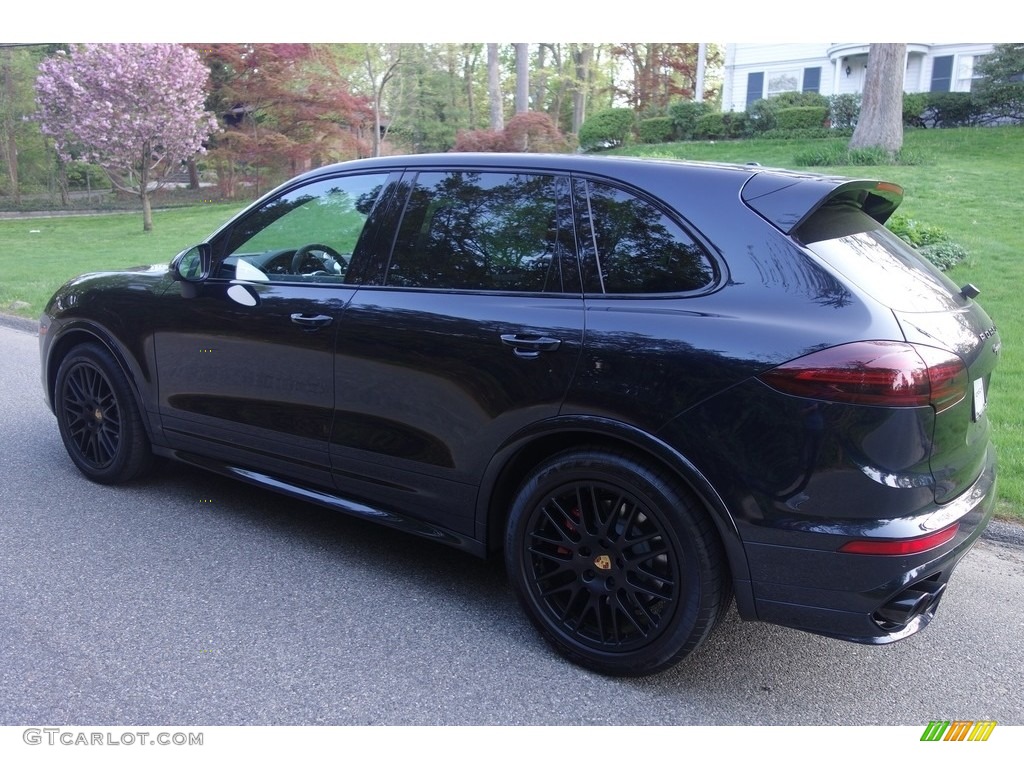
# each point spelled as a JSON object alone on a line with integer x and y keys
{"x": 98, "y": 414}
{"x": 603, "y": 562}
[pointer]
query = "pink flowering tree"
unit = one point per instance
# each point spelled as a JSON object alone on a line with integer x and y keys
{"x": 136, "y": 110}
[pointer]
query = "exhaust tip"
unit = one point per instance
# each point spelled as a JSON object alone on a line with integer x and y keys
{"x": 908, "y": 605}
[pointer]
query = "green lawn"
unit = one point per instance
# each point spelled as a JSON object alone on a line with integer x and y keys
{"x": 38, "y": 255}
{"x": 968, "y": 183}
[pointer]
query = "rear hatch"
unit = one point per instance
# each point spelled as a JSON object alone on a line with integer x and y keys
{"x": 933, "y": 312}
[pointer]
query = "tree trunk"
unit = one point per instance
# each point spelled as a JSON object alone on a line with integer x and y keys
{"x": 193, "y": 174}
{"x": 581, "y": 58}
{"x": 10, "y": 144}
{"x": 540, "y": 82}
{"x": 881, "y": 113}
{"x": 62, "y": 182}
{"x": 522, "y": 78}
{"x": 377, "y": 94}
{"x": 147, "y": 210}
{"x": 494, "y": 88}
{"x": 698, "y": 88}
{"x": 469, "y": 60}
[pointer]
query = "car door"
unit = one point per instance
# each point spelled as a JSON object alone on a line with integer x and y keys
{"x": 245, "y": 367}
{"x": 469, "y": 332}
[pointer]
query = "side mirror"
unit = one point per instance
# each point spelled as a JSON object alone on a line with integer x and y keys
{"x": 192, "y": 267}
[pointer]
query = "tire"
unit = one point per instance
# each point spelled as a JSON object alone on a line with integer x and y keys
{"x": 98, "y": 417}
{"x": 616, "y": 563}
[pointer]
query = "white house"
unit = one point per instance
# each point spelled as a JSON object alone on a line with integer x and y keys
{"x": 755, "y": 72}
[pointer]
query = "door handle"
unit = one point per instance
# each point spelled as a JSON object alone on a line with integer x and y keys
{"x": 528, "y": 346}
{"x": 311, "y": 323}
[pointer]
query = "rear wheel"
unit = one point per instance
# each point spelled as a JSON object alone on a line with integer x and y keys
{"x": 98, "y": 417}
{"x": 616, "y": 563}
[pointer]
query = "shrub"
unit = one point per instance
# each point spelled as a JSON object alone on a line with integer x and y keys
{"x": 479, "y": 141}
{"x": 533, "y": 132}
{"x": 952, "y": 110}
{"x": 526, "y": 132}
{"x": 838, "y": 154}
{"x": 798, "y": 118}
{"x": 763, "y": 113}
{"x": 914, "y": 105}
{"x": 805, "y": 133}
{"x": 915, "y": 232}
{"x": 654, "y": 130}
{"x": 930, "y": 241}
{"x": 943, "y": 255}
{"x": 608, "y": 128}
{"x": 684, "y": 116}
{"x": 86, "y": 176}
{"x": 843, "y": 110}
{"x": 721, "y": 125}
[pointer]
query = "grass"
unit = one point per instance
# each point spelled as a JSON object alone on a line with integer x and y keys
{"x": 963, "y": 180}
{"x": 38, "y": 255}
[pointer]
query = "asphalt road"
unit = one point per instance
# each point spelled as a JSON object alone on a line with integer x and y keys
{"x": 192, "y": 599}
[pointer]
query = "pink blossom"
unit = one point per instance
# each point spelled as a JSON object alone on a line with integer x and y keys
{"x": 137, "y": 110}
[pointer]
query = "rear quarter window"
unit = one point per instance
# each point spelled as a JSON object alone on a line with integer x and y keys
{"x": 630, "y": 246}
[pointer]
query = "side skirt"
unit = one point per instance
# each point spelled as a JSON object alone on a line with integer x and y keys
{"x": 358, "y": 509}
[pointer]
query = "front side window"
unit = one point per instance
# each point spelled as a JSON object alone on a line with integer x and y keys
{"x": 306, "y": 235}
{"x": 631, "y": 246}
{"x": 471, "y": 230}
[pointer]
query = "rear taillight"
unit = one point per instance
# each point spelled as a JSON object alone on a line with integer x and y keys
{"x": 900, "y": 546}
{"x": 886, "y": 373}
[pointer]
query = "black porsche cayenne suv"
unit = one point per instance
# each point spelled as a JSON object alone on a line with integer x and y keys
{"x": 651, "y": 386}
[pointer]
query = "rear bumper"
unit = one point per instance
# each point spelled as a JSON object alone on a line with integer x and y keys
{"x": 869, "y": 598}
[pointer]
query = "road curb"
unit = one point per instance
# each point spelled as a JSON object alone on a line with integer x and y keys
{"x": 19, "y": 323}
{"x": 1005, "y": 533}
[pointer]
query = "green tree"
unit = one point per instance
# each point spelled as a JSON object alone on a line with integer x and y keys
{"x": 1001, "y": 87}
{"x": 23, "y": 151}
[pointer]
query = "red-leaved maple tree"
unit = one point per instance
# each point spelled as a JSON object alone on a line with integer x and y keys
{"x": 285, "y": 107}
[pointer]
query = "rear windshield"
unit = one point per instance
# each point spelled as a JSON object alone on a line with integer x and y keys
{"x": 877, "y": 261}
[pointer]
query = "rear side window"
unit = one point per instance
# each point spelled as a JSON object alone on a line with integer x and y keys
{"x": 631, "y": 246}
{"x": 472, "y": 230}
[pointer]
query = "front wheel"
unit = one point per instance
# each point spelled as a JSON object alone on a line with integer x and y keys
{"x": 98, "y": 418}
{"x": 615, "y": 562}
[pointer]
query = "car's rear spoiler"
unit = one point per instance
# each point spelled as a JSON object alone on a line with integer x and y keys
{"x": 788, "y": 201}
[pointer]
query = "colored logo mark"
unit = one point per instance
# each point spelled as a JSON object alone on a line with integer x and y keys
{"x": 958, "y": 730}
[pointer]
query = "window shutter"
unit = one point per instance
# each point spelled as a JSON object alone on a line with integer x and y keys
{"x": 755, "y": 87}
{"x": 812, "y": 80}
{"x": 942, "y": 73}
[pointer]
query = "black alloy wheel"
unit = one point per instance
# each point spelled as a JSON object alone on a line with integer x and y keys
{"x": 98, "y": 418}
{"x": 615, "y": 562}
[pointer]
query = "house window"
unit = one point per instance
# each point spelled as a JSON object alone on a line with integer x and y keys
{"x": 783, "y": 82}
{"x": 812, "y": 80}
{"x": 942, "y": 73}
{"x": 966, "y": 72}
